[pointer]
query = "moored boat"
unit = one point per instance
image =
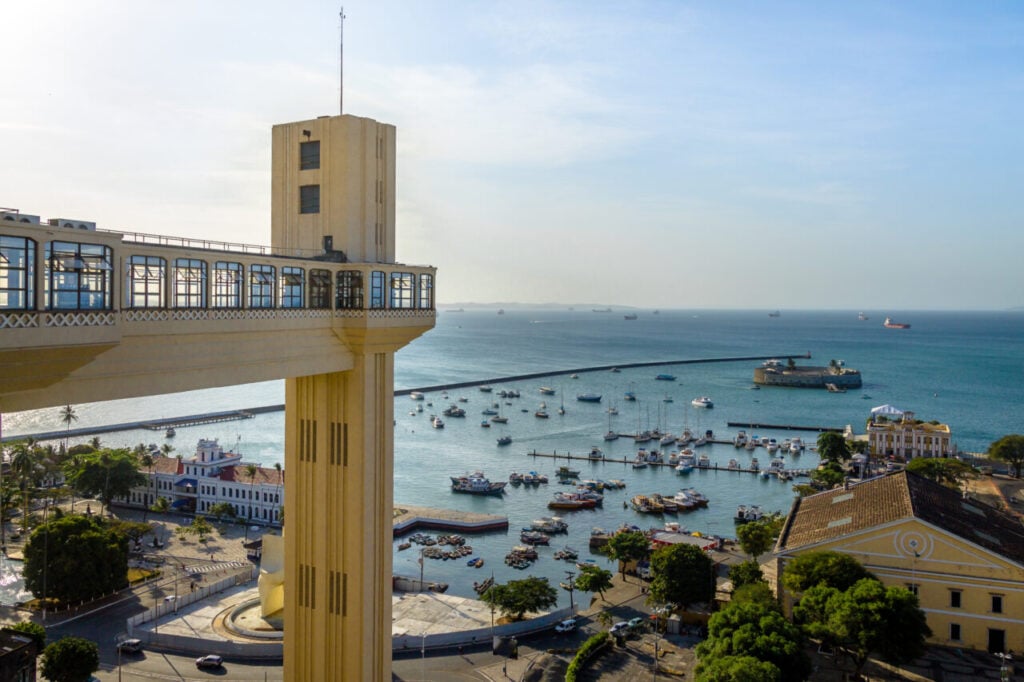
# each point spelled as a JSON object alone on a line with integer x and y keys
{"x": 589, "y": 397}
{"x": 505, "y": 440}
{"x": 477, "y": 484}
{"x": 703, "y": 401}
{"x": 747, "y": 513}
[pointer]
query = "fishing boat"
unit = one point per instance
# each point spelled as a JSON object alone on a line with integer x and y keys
{"x": 595, "y": 453}
{"x": 692, "y": 494}
{"x": 485, "y": 424}
{"x": 571, "y": 501}
{"x": 566, "y": 472}
{"x": 477, "y": 484}
{"x": 566, "y": 554}
{"x": 747, "y": 513}
{"x": 483, "y": 586}
{"x": 534, "y": 537}
{"x": 170, "y": 432}
{"x": 505, "y": 440}
{"x": 549, "y": 525}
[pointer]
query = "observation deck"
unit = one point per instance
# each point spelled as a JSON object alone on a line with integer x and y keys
{"x": 89, "y": 314}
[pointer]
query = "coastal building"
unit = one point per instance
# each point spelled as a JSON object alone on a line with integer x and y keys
{"x": 92, "y": 315}
{"x": 18, "y": 654}
{"x": 894, "y": 433}
{"x": 963, "y": 558}
{"x": 195, "y": 484}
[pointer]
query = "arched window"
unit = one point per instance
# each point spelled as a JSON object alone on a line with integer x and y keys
{"x": 350, "y": 290}
{"x": 144, "y": 282}
{"x": 17, "y": 273}
{"x": 293, "y": 284}
{"x": 78, "y": 276}
{"x": 189, "y": 283}
{"x": 261, "y": 286}
{"x": 227, "y": 285}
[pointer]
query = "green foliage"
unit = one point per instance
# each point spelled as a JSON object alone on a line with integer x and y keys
{"x": 746, "y": 573}
{"x": 106, "y": 474}
{"x": 589, "y": 649}
{"x": 1009, "y": 449}
{"x": 738, "y": 669}
{"x": 834, "y": 569}
{"x": 866, "y": 618}
{"x": 757, "y": 537}
{"x": 33, "y": 630}
{"x": 682, "y": 575}
{"x": 517, "y": 597}
{"x": 948, "y": 472}
{"x": 756, "y": 593}
{"x": 80, "y": 449}
{"x": 70, "y": 659}
{"x": 594, "y": 579}
{"x": 630, "y": 546}
{"x": 81, "y": 558}
{"x": 199, "y": 527}
{"x": 828, "y": 475}
{"x": 755, "y": 630}
{"x": 222, "y": 510}
{"x": 133, "y": 530}
{"x": 161, "y": 505}
{"x": 833, "y": 447}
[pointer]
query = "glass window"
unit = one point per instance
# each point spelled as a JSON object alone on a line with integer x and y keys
{"x": 401, "y": 289}
{"x": 144, "y": 281}
{"x": 319, "y": 289}
{"x": 189, "y": 283}
{"x": 261, "y": 286}
{"x": 350, "y": 290}
{"x": 227, "y": 285}
{"x": 426, "y": 292}
{"x": 293, "y": 285}
{"x": 309, "y": 155}
{"x": 954, "y": 632}
{"x": 17, "y": 273}
{"x": 997, "y": 603}
{"x": 954, "y": 598}
{"x": 309, "y": 199}
{"x": 376, "y": 289}
{"x": 78, "y": 276}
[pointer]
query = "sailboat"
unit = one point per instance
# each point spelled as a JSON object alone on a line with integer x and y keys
{"x": 561, "y": 408}
{"x": 611, "y": 435}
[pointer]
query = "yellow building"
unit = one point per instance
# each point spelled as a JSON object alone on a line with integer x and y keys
{"x": 908, "y": 437}
{"x": 963, "y": 558}
{"x": 88, "y": 314}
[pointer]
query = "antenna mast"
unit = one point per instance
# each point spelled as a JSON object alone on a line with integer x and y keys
{"x": 341, "y": 64}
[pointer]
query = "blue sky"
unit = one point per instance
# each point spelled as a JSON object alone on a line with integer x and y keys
{"x": 664, "y": 154}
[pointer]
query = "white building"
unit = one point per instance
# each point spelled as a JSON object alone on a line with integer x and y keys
{"x": 194, "y": 484}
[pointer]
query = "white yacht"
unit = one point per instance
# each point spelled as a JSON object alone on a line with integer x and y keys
{"x": 703, "y": 401}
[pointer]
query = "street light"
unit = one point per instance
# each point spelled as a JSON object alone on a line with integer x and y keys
{"x": 570, "y": 587}
{"x": 1004, "y": 667}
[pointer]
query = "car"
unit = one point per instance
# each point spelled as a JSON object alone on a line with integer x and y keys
{"x": 619, "y": 628}
{"x": 567, "y": 625}
{"x": 129, "y": 646}
{"x": 209, "y": 661}
{"x": 635, "y": 623}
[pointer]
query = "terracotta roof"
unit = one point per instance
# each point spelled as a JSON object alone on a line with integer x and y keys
{"x": 900, "y": 495}
{"x": 264, "y": 475}
{"x": 164, "y": 465}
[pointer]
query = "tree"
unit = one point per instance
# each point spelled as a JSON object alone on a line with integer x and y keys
{"x": 222, "y": 510}
{"x": 199, "y": 527}
{"x": 833, "y": 447}
{"x": 68, "y": 416}
{"x": 107, "y": 473}
{"x": 75, "y": 558}
{"x": 757, "y": 592}
{"x": 133, "y": 530}
{"x": 834, "y": 569}
{"x": 746, "y": 573}
{"x": 866, "y": 618}
{"x": 756, "y": 537}
{"x": 24, "y": 467}
{"x": 516, "y": 597}
{"x": 828, "y": 474}
{"x": 33, "y": 630}
{"x": 160, "y": 505}
{"x": 738, "y": 669}
{"x": 70, "y": 659}
{"x": 1009, "y": 449}
{"x": 628, "y": 546}
{"x": 682, "y": 575}
{"x": 594, "y": 579}
{"x": 759, "y": 631}
{"x": 948, "y": 472}
{"x": 147, "y": 460}
{"x": 251, "y": 470}
{"x": 280, "y": 482}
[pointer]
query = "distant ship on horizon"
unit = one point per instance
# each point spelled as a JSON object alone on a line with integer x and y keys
{"x": 775, "y": 313}
{"x": 895, "y": 325}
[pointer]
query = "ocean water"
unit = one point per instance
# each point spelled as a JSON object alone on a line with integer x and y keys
{"x": 964, "y": 369}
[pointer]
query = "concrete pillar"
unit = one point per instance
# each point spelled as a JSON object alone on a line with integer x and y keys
{"x": 339, "y": 467}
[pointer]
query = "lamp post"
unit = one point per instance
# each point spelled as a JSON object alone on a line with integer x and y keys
{"x": 570, "y": 587}
{"x": 1004, "y": 667}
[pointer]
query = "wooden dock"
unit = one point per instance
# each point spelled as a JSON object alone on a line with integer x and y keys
{"x": 784, "y": 427}
{"x": 615, "y": 460}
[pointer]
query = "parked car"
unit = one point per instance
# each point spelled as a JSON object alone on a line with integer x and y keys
{"x": 209, "y": 661}
{"x": 635, "y": 623}
{"x": 129, "y": 646}
{"x": 567, "y": 625}
{"x": 619, "y": 628}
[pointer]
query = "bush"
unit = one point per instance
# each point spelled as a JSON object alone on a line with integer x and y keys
{"x": 589, "y": 649}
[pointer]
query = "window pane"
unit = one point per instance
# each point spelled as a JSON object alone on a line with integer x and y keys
{"x": 309, "y": 199}
{"x": 309, "y": 155}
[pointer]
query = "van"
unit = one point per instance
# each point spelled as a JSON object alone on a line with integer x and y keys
{"x": 129, "y": 646}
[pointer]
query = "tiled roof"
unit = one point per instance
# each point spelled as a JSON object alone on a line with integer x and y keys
{"x": 164, "y": 465}
{"x": 264, "y": 475}
{"x": 900, "y": 495}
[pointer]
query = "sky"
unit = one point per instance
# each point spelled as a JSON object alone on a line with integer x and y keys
{"x": 825, "y": 155}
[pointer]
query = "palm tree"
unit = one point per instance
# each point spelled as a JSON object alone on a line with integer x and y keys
{"x": 250, "y": 470}
{"x": 68, "y": 416}
{"x": 95, "y": 442}
{"x": 23, "y": 465}
{"x": 146, "y": 460}
{"x": 166, "y": 449}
